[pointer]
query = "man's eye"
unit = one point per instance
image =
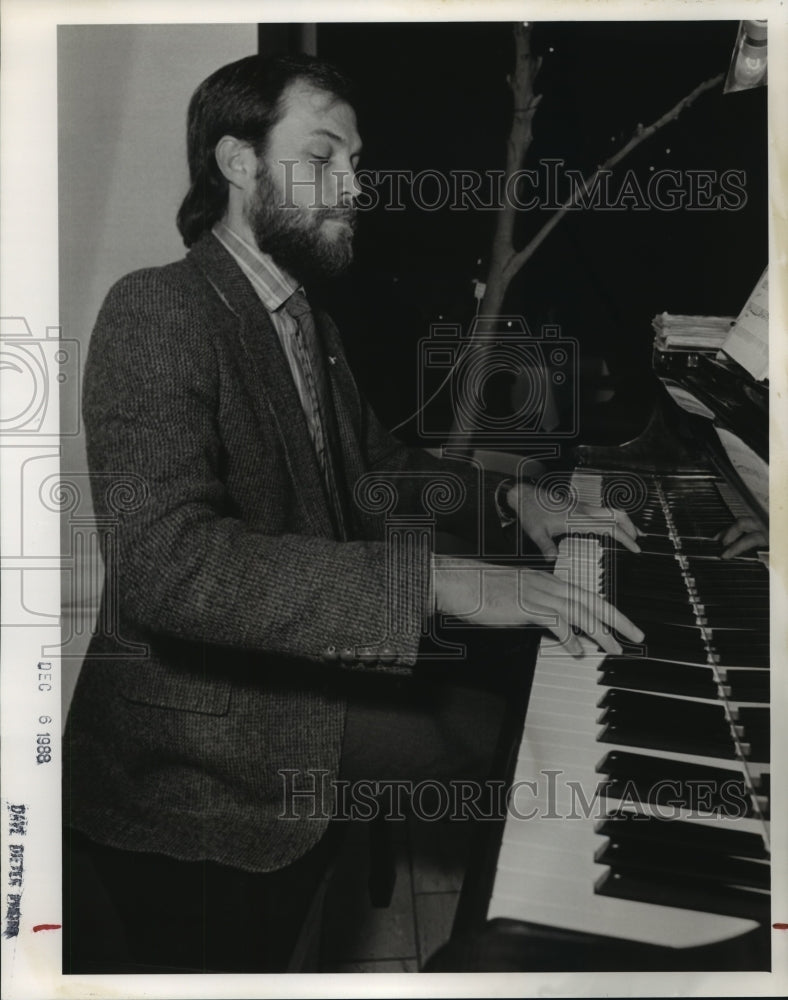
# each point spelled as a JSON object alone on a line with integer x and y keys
{"x": 319, "y": 158}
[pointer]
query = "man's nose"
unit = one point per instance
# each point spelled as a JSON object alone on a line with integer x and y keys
{"x": 347, "y": 186}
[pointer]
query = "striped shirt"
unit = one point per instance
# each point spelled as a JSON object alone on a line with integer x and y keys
{"x": 274, "y": 287}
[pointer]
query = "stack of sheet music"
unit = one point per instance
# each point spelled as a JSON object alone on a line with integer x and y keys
{"x": 691, "y": 332}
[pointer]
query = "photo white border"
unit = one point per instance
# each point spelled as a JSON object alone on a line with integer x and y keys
{"x": 29, "y": 288}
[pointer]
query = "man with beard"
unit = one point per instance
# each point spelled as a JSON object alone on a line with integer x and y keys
{"x": 249, "y": 591}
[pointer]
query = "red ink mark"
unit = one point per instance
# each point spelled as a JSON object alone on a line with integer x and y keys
{"x": 47, "y": 927}
{"x": 780, "y": 927}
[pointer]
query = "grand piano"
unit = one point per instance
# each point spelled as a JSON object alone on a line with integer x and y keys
{"x": 636, "y": 833}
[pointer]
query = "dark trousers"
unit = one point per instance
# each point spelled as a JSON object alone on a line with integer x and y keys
{"x": 134, "y": 912}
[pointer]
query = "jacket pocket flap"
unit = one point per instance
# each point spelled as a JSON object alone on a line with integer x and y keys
{"x": 164, "y": 688}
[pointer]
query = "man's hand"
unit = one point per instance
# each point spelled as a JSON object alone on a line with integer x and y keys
{"x": 745, "y": 533}
{"x": 542, "y": 525}
{"x": 494, "y": 595}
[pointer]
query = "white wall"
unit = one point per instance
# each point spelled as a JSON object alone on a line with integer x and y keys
{"x": 123, "y": 91}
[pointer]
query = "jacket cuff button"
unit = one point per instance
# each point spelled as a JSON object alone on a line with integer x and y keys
{"x": 330, "y": 654}
{"x": 387, "y": 655}
{"x": 348, "y": 655}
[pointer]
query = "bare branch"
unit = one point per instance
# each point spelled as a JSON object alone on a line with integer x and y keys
{"x": 521, "y": 82}
{"x": 505, "y": 262}
{"x": 517, "y": 260}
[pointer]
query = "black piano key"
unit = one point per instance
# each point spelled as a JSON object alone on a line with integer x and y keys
{"x": 689, "y": 894}
{"x": 740, "y": 658}
{"x": 717, "y": 619}
{"x": 755, "y": 569}
{"x": 664, "y": 711}
{"x": 728, "y": 575}
{"x": 660, "y": 677}
{"x": 665, "y": 651}
{"x": 755, "y": 723}
{"x": 717, "y": 572}
{"x": 623, "y": 764}
{"x": 723, "y": 597}
{"x": 679, "y": 636}
{"x": 735, "y": 640}
{"x": 634, "y": 734}
{"x": 657, "y": 608}
{"x": 661, "y": 647}
{"x": 700, "y": 546}
{"x": 747, "y": 685}
{"x": 722, "y": 789}
{"x": 743, "y": 602}
{"x": 652, "y": 544}
{"x": 667, "y": 585}
{"x": 732, "y": 659}
{"x": 653, "y": 616}
{"x": 754, "y": 719}
{"x": 651, "y": 521}
{"x": 683, "y": 862}
{"x": 655, "y": 612}
{"x": 759, "y": 748}
{"x": 731, "y": 800}
{"x": 655, "y": 568}
{"x": 724, "y": 592}
{"x": 675, "y": 833}
{"x": 643, "y": 562}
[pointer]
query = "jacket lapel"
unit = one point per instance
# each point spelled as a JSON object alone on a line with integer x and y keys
{"x": 267, "y": 375}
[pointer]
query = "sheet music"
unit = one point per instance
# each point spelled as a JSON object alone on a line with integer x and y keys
{"x": 685, "y": 399}
{"x": 748, "y": 341}
{"x": 752, "y": 469}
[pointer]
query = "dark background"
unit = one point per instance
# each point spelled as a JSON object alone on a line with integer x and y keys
{"x": 434, "y": 96}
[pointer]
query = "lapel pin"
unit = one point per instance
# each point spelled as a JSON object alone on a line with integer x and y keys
{"x": 331, "y": 359}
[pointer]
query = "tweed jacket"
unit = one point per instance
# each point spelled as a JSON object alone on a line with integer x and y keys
{"x": 230, "y": 608}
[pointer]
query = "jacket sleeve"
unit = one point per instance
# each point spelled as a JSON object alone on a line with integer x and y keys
{"x": 179, "y": 559}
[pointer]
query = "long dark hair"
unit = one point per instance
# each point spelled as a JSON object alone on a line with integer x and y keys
{"x": 244, "y": 100}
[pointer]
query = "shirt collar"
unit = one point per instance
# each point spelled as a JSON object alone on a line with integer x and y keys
{"x": 272, "y": 284}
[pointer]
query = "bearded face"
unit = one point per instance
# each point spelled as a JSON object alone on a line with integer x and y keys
{"x": 309, "y": 242}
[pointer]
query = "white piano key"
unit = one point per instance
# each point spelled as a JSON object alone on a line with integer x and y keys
{"x": 546, "y": 872}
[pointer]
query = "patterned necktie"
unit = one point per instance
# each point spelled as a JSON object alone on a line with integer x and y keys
{"x": 323, "y": 426}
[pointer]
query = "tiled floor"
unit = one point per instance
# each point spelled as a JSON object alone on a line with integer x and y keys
{"x": 430, "y": 862}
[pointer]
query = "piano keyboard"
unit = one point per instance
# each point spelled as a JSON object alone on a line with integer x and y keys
{"x": 639, "y": 805}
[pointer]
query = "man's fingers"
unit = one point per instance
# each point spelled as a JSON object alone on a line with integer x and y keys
{"x": 544, "y": 543}
{"x": 621, "y": 519}
{"x": 741, "y": 526}
{"x": 616, "y": 523}
{"x": 609, "y": 615}
{"x": 573, "y": 645}
{"x": 560, "y": 627}
{"x": 731, "y": 534}
{"x": 627, "y": 541}
{"x": 591, "y": 613}
{"x": 624, "y": 522}
{"x": 756, "y": 539}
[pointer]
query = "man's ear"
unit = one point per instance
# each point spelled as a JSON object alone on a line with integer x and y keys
{"x": 237, "y": 161}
